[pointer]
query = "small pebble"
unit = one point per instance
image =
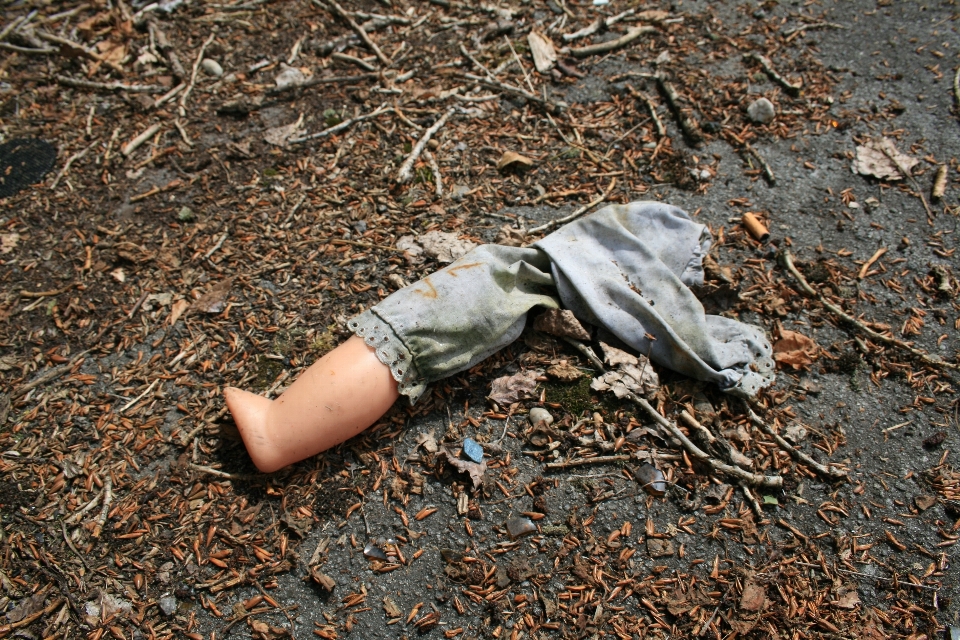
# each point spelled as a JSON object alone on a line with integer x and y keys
{"x": 373, "y": 552}
{"x": 519, "y": 527}
{"x": 168, "y": 604}
{"x": 762, "y": 111}
{"x": 538, "y": 415}
{"x": 212, "y": 67}
{"x": 473, "y": 450}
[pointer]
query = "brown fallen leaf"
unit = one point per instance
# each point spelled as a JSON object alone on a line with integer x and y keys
{"x": 512, "y": 159}
{"x": 264, "y": 631}
{"x": 476, "y": 471}
{"x": 176, "y": 311}
{"x": 390, "y": 608}
{"x": 640, "y": 379}
{"x": 754, "y": 596}
{"x": 849, "y": 600}
{"x": 543, "y": 51}
{"x": 561, "y": 322}
{"x": 509, "y": 389}
{"x": 215, "y": 299}
{"x": 795, "y": 349}
{"x": 874, "y": 159}
{"x": 565, "y": 372}
{"x": 428, "y": 441}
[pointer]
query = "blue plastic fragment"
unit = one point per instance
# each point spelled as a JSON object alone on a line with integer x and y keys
{"x": 473, "y": 450}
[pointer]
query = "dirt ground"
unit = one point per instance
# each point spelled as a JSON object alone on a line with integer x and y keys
{"x": 226, "y": 195}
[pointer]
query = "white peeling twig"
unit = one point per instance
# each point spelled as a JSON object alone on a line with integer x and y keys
{"x": 340, "y": 127}
{"x": 140, "y": 397}
{"x": 193, "y": 75}
{"x": 107, "y": 501}
{"x": 406, "y": 169}
{"x": 216, "y": 247}
{"x": 134, "y": 144}
{"x": 435, "y": 169}
{"x": 169, "y": 95}
{"x": 576, "y": 214}
{"x": 70, "y": 161}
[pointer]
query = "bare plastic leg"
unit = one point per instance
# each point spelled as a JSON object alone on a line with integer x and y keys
{"x": 337, "y": 397}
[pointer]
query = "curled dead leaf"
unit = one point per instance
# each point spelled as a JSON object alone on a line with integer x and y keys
{"x": 215, "y": 299}
{"x": 795, "y": 349}
{"x": 475, "y": 470}
{"x": 506, "y": 390}
{"x": 561, "y": 322}
{"x": 445, "y": 247}
{"x": 512, "y": 159}
{"x": 876, "y": 158}
{"x": 543, "y": 51}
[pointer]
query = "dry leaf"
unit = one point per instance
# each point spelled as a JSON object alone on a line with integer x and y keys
{"x": 409, "y": 245}
{"x": 176, "y": 311}
{"x": 613, "y": 356}
{"x": 445, "y": 247}
{"x": 795, "y": 349}
{"x": 628, "y": 378}
{"x": 215, "y": 299}
{"x": 544, "y": 53}
{"x": 511, "y": 237}
{"x": 264, "y": 631}
{"x": 849, "y": 600}
{"x": 653, "y": 15}
{"x": 561, "y": 322}
{"x": 873, "y": 160}
{"x": 474, "y": 469}
{"x": 8, "y": 242}
{"x": 278, "y": 136}
{"x": 428, "y": 441}
{"x": 565, "y": 372}
{"x": 513, "y": 159}
{"x": 754, "y": 596}
{"x": 509, "y": 389}
{"x": 390, "y": 608}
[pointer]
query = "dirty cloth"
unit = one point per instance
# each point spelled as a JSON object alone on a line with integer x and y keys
{"x": 626, "y": 268}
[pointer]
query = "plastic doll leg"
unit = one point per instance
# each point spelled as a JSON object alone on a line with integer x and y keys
{"x": 337, "y": 397}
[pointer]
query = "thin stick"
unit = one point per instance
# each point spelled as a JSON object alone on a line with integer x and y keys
{"x": 923, "y": 356}
{"x": 552, "y": 107}
{"x": 140, "y": 397}
{"x": 109, "y": 86}
{"x": 830, "y": 472}
{"x": 223, "y": 474}
{"x": 169, "y": 95}
{"x": 793, "y": 33}
{"x": 107, "y": 501}
{"x": 406, "y": 169}
{"x": 435, "y": 169}
{"x": 611, "y": 45}
{"x": 7, "y": 30}
{"x": 587, "y": 352}
{"x": 47, "y": 376}
{"x": 767, "y": 171}
{"x": 193, "y": 75}
{"x": 175, "y": 65}
{"x": 580, "y": 462}
{"x": 337, "y": 9}
{"x": 767, "y": 66}
{"x": 70, "y": 45}
{"x": 652, "y": 108}
{"x": 66, "y": 538}
{"x": 956, "y": 88}
{"x": 134, "y": 144}
{"x": 576, "y": 214}
{"x": 753, "y": 502}
{"x": 909, "y": 176}
{"x": 77, "y": 515}
{"x": 479, "y": 64}
{"x": 751, "y": 479}
{"x": 363, "y": 64}
{"x": 70, "y": 161}
{"x": 346, "y": 124}
{"x": 689, "y": 126}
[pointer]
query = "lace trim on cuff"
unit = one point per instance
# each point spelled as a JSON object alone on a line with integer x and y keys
{"x": 391, "y": 351}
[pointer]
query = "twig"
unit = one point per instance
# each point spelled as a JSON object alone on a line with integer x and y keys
{"x": 479, "y": 64}
{"x": 346, "y": 124}
{"x": 576, "y": 214}
{"x": 909, "y": 176}
{"x": 77, "y": 515}
{"x": 109, "y": 86}
{"x": 789, "y": 87}
{"x": 406, "y": 169}
{"x": 47, "y": 376}
{"x": 752, "y": 501}
{"x": 363, "y": 64}
{"x": 830, "y": 472}
{"x": 331, "y": 5}
{"x": 652, "y": 108}
{"x": 193, "y": 74}
{"x": 26, "y": 50}
{"x": 956, "y": 88}
{"x": 107, "y": 501}
{"x": 751, "y": 479}
{"x": 72, "y": 46}
{"x": 169, "y": 95}
{"x": 70, "y": 161}
{"x": 13, "y": 25}
{"x": 216, "y": 247}
{"x": 175, "y": 65}
{"x": 767, "y": 171}
{"x": 588, "y": 30}
{"x": 580, "y": 462}
{"x": 139, "y": 397}
{"x": 935, "y": 361}
{"x": 611, "y": 45}
{"x": 134, "y": 144}
{"x": 435, "y": 170}
{"x": 793, "y": 33}
{"x": 587, "y": 352}
{"x": 136, "y": 305}
{"x": 66, "y": 538}
{"x": 689, "y": 126}
{"x": 549, "y": 105}
{"x": 222, "y": 474}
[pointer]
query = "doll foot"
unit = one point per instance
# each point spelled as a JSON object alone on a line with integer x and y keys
{"x": 250, "y": 412}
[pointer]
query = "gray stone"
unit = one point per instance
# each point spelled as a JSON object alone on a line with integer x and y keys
{"x": 168, "y": 604}
{"x": 761, "y": 111}
{"x": 538, "y": 415}
{"x": 212, "y": 67}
